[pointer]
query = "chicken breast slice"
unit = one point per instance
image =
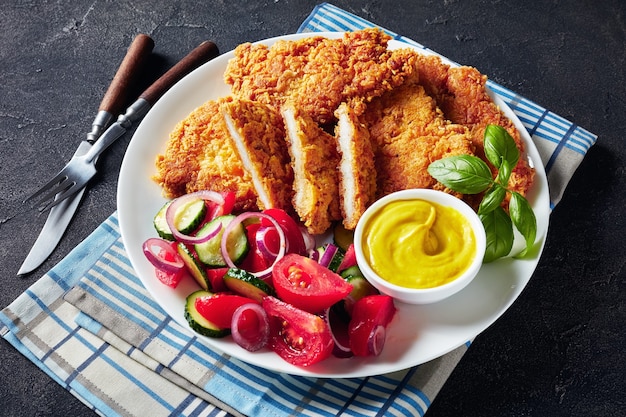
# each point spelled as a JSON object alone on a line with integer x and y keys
{"x": 258, "y": 135}
{"x": 357, "y": 173}
{"x": 314, "y": 160}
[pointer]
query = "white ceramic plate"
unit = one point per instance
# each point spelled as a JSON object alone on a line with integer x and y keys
{"x": 417, "y": 334}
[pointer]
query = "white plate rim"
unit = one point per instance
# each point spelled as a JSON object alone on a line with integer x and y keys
{"x": 439, "y": 328}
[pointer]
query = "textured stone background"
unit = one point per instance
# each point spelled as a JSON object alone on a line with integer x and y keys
{"x": 559, "y": 350}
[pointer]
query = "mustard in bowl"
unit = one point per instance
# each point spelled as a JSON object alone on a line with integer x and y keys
{"x": 419, "y": 246}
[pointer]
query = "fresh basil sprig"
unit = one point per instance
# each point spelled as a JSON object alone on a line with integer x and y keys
{"x": 468, "y": 174}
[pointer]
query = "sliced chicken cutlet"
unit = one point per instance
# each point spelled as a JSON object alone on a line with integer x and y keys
{"x": 258, "y": 135}
{"x": 199, "y": 156}
{"x": 260, "y": 73}
{"x": 314, "y": 160}
{"x": 318, "y": 73}
{"x": 357, "y": 173}
{"x": 462, "y": 95}
{"x": 408, "y": 132}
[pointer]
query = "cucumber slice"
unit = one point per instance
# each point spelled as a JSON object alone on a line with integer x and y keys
{"x": 195, "y": 268}
{"x": 342, "y": 236}
{"x": 197, "y": 322}
{"x": 247, "y": 285}
{"x": 361, "y": 287}
{"x": 351, "y": 272}
{"x": 210, "y": 252}
{"x": 187, "y": 218}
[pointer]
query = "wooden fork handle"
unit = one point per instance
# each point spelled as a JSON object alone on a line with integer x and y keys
{"x": 116, "y": 97}
{"x": 204, "y": 52}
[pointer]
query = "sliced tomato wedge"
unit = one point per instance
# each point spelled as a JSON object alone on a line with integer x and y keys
{"x": 307, "y": 285}
{"x": 214, "y": 210}
{"x": 171, "y": 279}
{"x": 299, "y": 337}
{"x": 220, "y": 307}
{"x": 349, "y": 259}
{"x": 250, "y": 327}
{"x": 295, "y": 240}
{"x": 255, "y": 260}
{"x": 216, "y": 278}
{"x": 367, "y": 328}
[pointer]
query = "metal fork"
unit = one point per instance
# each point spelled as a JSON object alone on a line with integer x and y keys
{"x": 81, "y": 169}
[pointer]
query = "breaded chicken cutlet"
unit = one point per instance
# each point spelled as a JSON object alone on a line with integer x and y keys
{"x": 314, "y": 160}
{"x": 318, "y": 73}
{"x": 357, "y": 179}
{"x": 392, "y": 114}
{"x": 257, "y": 133}
{"x": 408, "y": 132}
{"x": 460, "y": 92}
{"x": 199, "y": 156}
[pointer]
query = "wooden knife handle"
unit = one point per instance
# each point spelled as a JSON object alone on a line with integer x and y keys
{"x": 116, "y": 97}
{"x": 204, "y": 52}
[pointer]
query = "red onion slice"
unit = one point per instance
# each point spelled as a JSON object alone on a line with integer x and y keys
{"x": 315, "y": 255}
{"x": 170, "y": 215}
{"x": 250, "y": 327}
{"x": 339, "y": 331}
{"x": 309, "y": 240}
{"x": 376, "y": 340}
{"x": 160, "y": 258}
{"x": 261, "y": 240}
{"x": 239, "y": 219}
{"x": 329, "y": 253}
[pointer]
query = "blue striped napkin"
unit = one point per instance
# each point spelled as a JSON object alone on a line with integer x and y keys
{"x": 94, "y": 329}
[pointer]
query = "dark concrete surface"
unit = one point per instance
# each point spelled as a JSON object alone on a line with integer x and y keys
{"x": 558, "y": 351}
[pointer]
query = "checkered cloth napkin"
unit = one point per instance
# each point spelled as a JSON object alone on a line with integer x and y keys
{"x": 94, "y": 329}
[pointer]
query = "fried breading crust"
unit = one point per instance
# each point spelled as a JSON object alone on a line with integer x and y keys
{"x": 314, "y": 160}
{"x": 257, "y": 133}
{"x": 461, "y": 94}
{"x": 409, "y": 132}
{"x": 199, "y": 156}
{"x": 318, "y": 73}
{"x": 393, "y": 112}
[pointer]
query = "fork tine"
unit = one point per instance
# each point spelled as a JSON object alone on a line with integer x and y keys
{"x": 57, "y": 194}
{"x": 53, "y": 183}
{"x": 62, "y": 195}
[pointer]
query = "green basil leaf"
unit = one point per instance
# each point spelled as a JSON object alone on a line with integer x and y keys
{"x": 493, "y": 198}
{"x": 504, "y": 173}
{"x": 465, "y": 174}
{"x": 524, "y": 219}
{"x": 499, "y": 232}
{"x": 500, "y": 146}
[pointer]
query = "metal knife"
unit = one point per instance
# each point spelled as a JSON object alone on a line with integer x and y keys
{"x": 111, "y": 105}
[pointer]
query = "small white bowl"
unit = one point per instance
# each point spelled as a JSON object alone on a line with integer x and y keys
{"x": 426, "y": 295}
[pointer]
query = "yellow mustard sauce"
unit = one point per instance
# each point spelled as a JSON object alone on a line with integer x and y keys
{"x": 418, "y": 244}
